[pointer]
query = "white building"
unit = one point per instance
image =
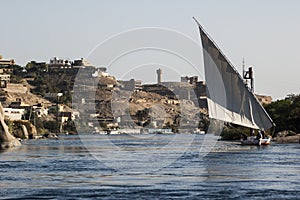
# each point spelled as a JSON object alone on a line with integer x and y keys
{"x": 40, "y": 110}
{"x": 5, "y": 77}
{"x": 60, "y": 62}
{"x": 14, "y": 113}
{"x": 81, "y": 63}
{"x": 99, "y": 73}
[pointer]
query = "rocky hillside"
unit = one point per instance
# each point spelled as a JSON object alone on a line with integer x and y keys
{"x": 145, "y": 107}
{"x": 20, "y": 92}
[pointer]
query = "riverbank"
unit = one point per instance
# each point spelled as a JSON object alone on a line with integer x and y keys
{"x": 288, "y": 139}
{"x": 235, "y": 134}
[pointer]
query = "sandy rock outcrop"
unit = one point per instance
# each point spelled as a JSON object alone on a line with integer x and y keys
{"x": 6, "y": 139}
{"x": 287, "y": 137}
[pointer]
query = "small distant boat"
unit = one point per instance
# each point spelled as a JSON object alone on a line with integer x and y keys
{"x": 112, "y": 132}
{"x": 198, "y": 131}
{"x": 50, "y": 136}
{"x": 229, "y": 98}
{"x": 255, "y": 141}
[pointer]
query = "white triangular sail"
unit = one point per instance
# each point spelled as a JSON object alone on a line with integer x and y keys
{"x": 229, "y": 99}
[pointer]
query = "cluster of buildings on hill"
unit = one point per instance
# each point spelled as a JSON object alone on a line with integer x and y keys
{"x": 6, "y": 62}
{"x": 63, "y": 63}
{"x": 67, "y": 63}
{"x": 20, "y": 105}
{"x": 22, "y": 109}
{"x": 188, "y": 88}
{"x": 4, "y": 71}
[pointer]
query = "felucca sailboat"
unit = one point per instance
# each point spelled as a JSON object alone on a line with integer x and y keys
{"x": 229, "y": 99}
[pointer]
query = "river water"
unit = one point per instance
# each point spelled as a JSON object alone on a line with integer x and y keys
{"x": 148, "y": 167}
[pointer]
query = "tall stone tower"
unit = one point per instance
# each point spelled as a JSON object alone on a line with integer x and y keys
{"x": 159, "y": 75}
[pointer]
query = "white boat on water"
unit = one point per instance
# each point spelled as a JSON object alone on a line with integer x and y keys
{"x": 198, "y": 131}
{"x": 112, "y": 132}
{"x": 229, "y": 98}
{"x": 255, "y": 141}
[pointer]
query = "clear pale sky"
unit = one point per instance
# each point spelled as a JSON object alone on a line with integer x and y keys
{"x": 264, "y": 32}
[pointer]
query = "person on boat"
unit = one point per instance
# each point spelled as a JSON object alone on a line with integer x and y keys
{"x": 259, "y": 135}
{"x": 263, "y": 134}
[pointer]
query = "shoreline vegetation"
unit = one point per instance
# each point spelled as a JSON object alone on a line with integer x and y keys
{"x": 235, "y": 134}
{"x": 34, "y": 89}
{"x": 286, "y": 116}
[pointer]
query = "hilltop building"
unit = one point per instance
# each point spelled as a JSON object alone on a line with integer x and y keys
{"x": 80, "y": 63}
{"x": 67, "y": 63}
{"x": 264, "y": 99}
{"x": 5, "y": 71}
{"x": 159, "y": 76}
{"x": 60, "y": 62}
{"x": 6, "y": 62}
{"x": 100, "y": 72}
{"x": 189, "y": 79}
{"x": 131, "y": 85}
{"x": 189, "y": 88}
{"x": 5, "y": 77}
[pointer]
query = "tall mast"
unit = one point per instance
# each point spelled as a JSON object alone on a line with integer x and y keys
{"x": 243, "y": 65}
{"x": 248, "y": 75}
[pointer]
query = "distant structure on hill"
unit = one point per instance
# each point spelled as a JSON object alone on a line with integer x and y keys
{"x": 191, "y": 79}
{"x": 80, "y": 62}
{"x": 6, "y": 62}
{"x": 189, "y": 88}
{"x": 131, "y": 85}
{"x": 264, "y": 99}
{"x": 60, "y": 62}
{"x": 159, "y": 76}
{"x": 67, "y": 63}
{"x": 5, "y": 71}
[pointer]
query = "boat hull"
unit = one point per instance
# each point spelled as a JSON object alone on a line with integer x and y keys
{"x": 251, "y": 141}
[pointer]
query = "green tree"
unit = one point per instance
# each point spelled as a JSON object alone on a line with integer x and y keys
{"x": 286, "y": 113}
{"x": 52, "y": 126}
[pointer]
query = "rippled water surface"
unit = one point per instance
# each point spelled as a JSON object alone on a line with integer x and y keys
{"x": 149, "y": 167}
